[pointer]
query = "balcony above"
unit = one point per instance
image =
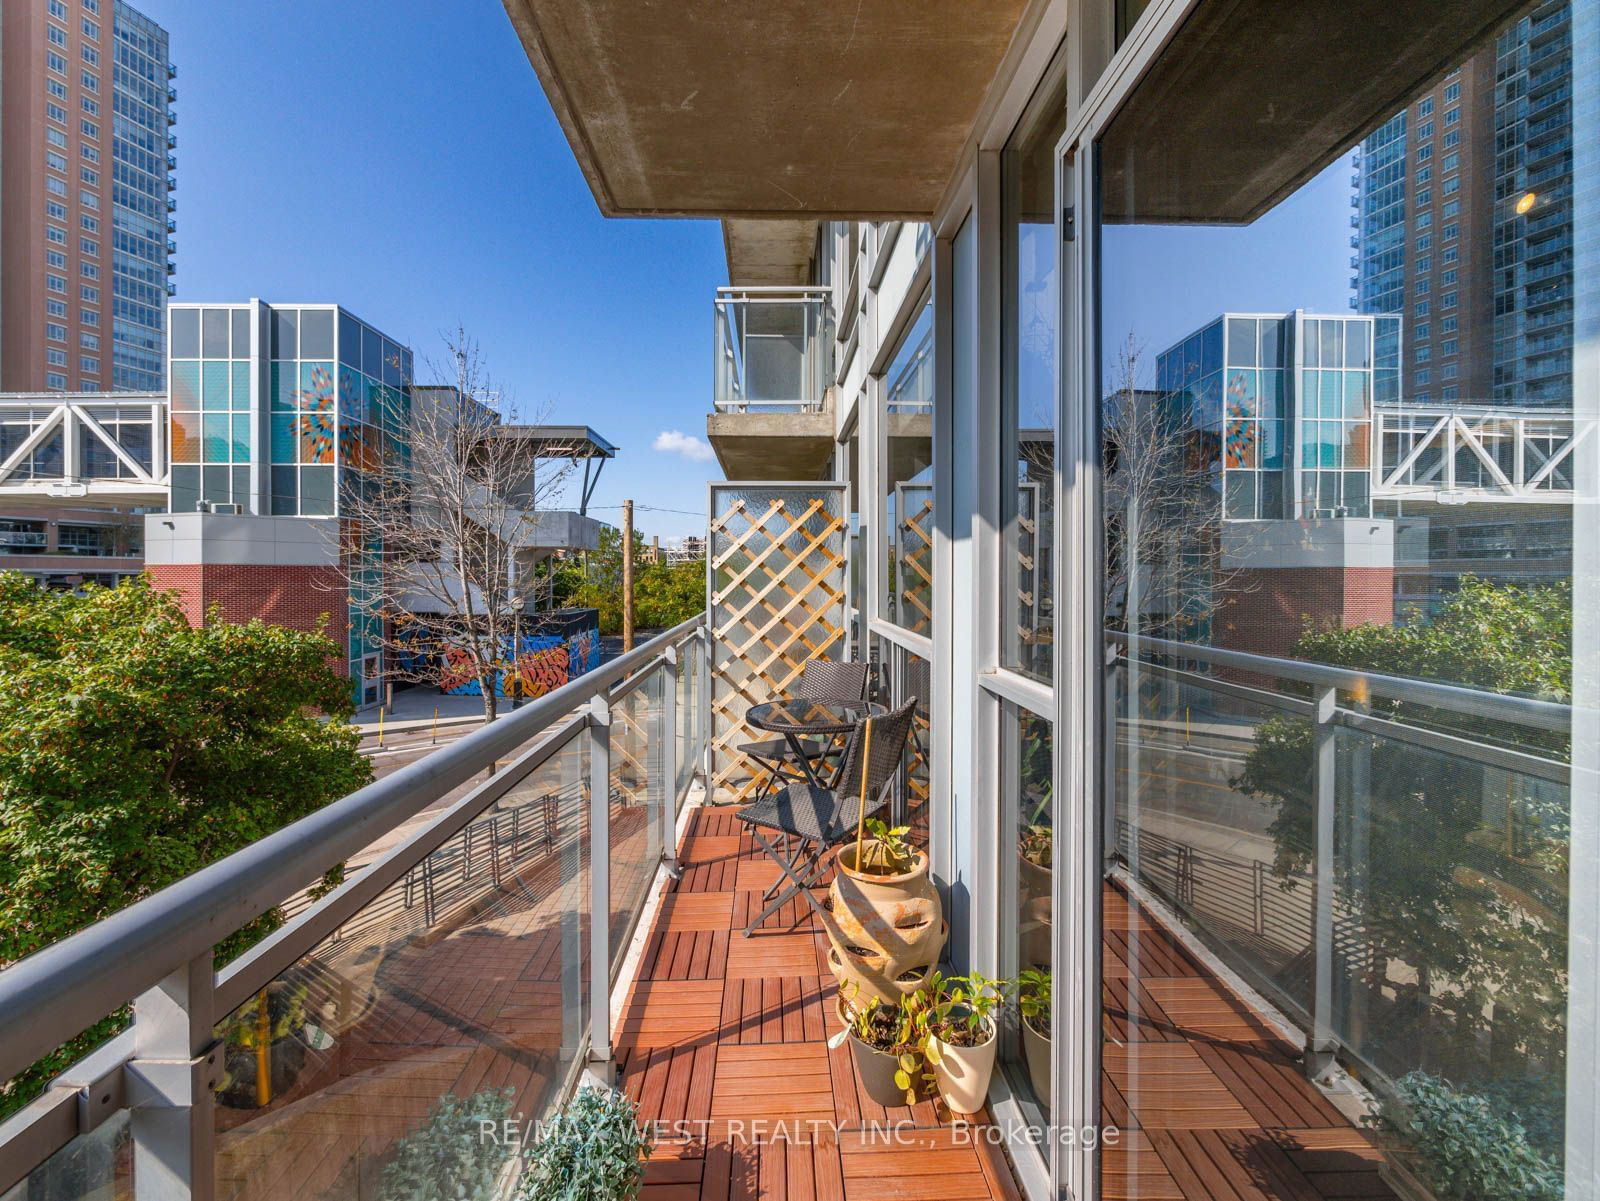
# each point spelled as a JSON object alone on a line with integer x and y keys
{"x": 832, "y": 108}
{"x": 773, "y": 414}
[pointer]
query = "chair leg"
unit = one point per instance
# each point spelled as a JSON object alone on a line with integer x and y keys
{"x": 800, "y": 886}
{"x": 794, "y": 862}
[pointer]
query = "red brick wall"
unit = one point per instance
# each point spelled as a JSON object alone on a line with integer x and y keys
{"x": 296, "y": 597}
{"x": 1265, "y": 610}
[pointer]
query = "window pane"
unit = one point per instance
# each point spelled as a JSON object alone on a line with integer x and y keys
{"x": 1028, "y": 869}
{"x": 214, "y": 333}
{"x": 1028, "y": 422}
{"x": 908, "y": 477}
{"x": 1415, "y": 846}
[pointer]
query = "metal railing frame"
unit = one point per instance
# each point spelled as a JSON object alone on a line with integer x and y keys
{"x": 158, "y": 952}
{"x": 730, "y": 355}
{"x": 1327, "y": 715}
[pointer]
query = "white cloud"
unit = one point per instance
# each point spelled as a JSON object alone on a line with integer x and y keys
{"x": 676, "y": 442}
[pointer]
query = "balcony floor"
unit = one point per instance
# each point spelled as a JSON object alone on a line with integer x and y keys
{"x": 721, "y": 1032}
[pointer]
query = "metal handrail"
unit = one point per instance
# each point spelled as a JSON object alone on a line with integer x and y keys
{"x": 55, "y": 993}
{"x": 1477, "y": 702}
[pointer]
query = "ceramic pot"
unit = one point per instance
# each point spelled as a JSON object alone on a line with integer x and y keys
{"x": 1036, "y": 1053}
{"x": 963, "y": 1072}
{"x": 876, "y": 1068}
{"x": 883, "y": 928}
{"x": 1032, "y": 880}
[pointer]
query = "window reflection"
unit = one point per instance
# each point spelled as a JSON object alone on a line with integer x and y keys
{"x": 908, "y": 476}
{"x": 1029, "y": 805}
{"x": 1028, "y": 418}
{"x": 1324, "y": 376}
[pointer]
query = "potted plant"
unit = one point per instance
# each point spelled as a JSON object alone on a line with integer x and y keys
{"x": 888, "y": 1043}
{"x": 267, "y": 1040}
{"x": 1441, "y": 1143}
{"x": 961, "y": 1038}
{"x": 449, "y": 1158}
{"x": 593, "y": 1150}
{"x": 1033, "y": 1004}
{"x": 883, "y": 914}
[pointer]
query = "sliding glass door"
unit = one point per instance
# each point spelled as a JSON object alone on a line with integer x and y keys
{"x": 1337, "y": 400}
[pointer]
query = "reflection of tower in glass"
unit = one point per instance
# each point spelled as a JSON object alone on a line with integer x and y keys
{"x": 1463, "y": 221}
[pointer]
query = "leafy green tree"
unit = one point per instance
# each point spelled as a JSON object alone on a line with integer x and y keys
{"x": 136, "y": 749}
{"x": 663, "y": 594}
{"x": 1457, "y": 886}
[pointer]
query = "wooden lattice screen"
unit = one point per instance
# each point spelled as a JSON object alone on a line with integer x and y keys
{"x": 913, "y": 539}
{"x": 776, "y": 597}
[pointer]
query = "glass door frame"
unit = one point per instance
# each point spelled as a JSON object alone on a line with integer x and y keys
{"x": 1099, "y": 83}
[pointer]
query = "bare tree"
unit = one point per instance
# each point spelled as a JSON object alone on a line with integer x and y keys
{"x": 440, "y": 528}
{"x": 1164, "y": 566}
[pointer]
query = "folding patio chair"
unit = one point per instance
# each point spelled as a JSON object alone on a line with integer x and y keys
{"x": 821, "y": 680}
{"x": 816, "y": 819}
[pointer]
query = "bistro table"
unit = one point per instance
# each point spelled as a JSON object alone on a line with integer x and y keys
{"x": 806, "y": 716}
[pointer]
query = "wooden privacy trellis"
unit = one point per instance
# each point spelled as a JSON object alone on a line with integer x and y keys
{"x": 913, "y": 540}
{"x": 775, "y": 592}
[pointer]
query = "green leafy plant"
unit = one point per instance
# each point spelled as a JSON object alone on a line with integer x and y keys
{"x": 962, "y": 1009}
{"x": 1465, "y": 1148}
{"x": 1033, "y": 999}
{"x": 1461, "y": 906}
{"x": 900, "y": 1029}
{"x": 663, "y": 594}
{"x": 886, "y": 851}
{"x": 455, "y": 1155}
{"x": 593, "y": 1150}
{"x": 1037, "y": 846}
{"x": 136, "y": 749}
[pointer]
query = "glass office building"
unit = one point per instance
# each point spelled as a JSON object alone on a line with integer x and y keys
{"x": 289, "y": 411}
{"x": 141, "y": 199}
{"x": 1277, "y": 408}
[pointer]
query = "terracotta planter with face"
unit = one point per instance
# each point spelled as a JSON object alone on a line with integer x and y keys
{"x": 886, "y": 930}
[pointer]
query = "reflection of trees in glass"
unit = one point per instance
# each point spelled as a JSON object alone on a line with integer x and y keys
{"x": 1164, "y": 573}
{"x": 1450, "y": 874}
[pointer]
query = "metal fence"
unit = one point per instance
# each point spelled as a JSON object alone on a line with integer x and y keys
{"x": 451, "y": 980}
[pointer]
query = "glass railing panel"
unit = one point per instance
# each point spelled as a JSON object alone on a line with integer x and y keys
{"x": 684, "y": 723}
{"x": 1450, "y": 928}
{"x": 97, "y": 1166}
{"x": 637, "y": 794}
{"x": 455, "y": 997}
{"x": 774, "y": 352}
{"x": 1210, "y": 794}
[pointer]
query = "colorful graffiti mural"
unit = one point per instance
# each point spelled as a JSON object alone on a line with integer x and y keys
{"x": 541, "y": 664}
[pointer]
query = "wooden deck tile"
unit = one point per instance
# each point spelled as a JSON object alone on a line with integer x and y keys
{"x": 786, "y": 1083}
{"x": 1199, "y": 1005}
{"x": 695, "y": 911}
{"x": 763, "y": 954}
{"x": 1169, "y": 1087}
{"x": 664, "y": 1013}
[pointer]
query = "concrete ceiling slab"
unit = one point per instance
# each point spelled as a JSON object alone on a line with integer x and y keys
{"x": 843, "y": 108}
{"x": 768, "y": 253}
{"x": 1217, "y": 134}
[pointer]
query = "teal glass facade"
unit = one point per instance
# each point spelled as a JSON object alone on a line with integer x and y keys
{"x": 1277, "y": 408}
{"x": 291, "y": 411}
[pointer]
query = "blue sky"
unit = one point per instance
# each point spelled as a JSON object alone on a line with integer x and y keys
{"x": 400, "y": 159}
{"x": 1162, "y": 283}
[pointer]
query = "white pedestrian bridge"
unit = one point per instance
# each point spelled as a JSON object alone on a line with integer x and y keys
{"x": 96, "y": 447}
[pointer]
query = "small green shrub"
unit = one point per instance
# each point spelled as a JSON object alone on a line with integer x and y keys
{"x": 593, "y": 1150}
{"x": 1466, "y": 1150}
{"x": 451, "y": 1158}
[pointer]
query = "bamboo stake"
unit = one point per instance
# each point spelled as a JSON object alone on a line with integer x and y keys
{"x": 861, "y": 808}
